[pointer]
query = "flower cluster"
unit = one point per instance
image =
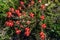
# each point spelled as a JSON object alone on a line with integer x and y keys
{"x": 17, "y": 31}
{"x": 27, "y": 31}
{"x": 17, "y": 13}
{"x": 9, "y": 23}
{"x": 43, "y": 25}
{"x": 20, "y": 14}
{"x": 42, "y": 35}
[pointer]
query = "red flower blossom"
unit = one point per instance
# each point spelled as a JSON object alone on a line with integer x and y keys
{"x": 43, "y": 7}
{"x": 9, "y": 14}
{"x": 28, "y": 22}
{"x": 18, "y": 32}
{"x": 27, "y": 29}
{"x": 39, "y": 1}
{"x": 17, "y": 11}
{"x": 16, "y": 28}
{"x": 31, "y": 15}
{"x": 44, "y": 26}
{"x": 27, "y": 33}
{"x": 21, "y": 26}
{"x": 19, "y": 14}
{"x": 11, "y": 9}
{"x": 9, "y": 23}
{"x": 32, "y": 2}
{"x": 21, "y": 2}
{"x": 42, "y": 17}
{"x": 42, "y": 35}
{"x": 20, "y": 8}
{"x": 24, "y": 13}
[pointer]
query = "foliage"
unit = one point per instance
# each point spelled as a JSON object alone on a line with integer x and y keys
{"x": 52, "y": 20}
